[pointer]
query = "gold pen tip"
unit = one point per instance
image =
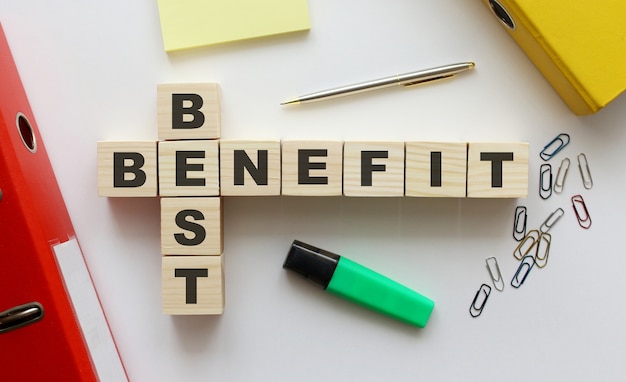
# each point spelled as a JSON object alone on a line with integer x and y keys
{"x": 471, "y": 65}
{"x": 292, "y": 102}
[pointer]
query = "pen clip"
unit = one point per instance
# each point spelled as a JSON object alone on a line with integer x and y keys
{"x": 409, "y": 84}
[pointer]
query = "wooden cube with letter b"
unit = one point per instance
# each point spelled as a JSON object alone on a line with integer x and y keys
{"x": 497, "y": 170}
{"x": 188, "y": 111}
{"x": 127, "y": 169}
{"x": 192, "y": 285}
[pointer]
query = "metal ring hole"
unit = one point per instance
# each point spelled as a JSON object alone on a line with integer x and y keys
{"x": 26, "y": 132}
{"x": 502, "y": 14}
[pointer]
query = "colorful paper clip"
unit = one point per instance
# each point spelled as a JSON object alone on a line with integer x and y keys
{"x": 583, "y": 166}
{"x": 555, "y": 145}
{"x": 545, "y": 181}
{"x": 527, "y": 244}
{"x": 519, "y": 223}
{"x": 543, "y": 250}
{"x": 494, "y": 272}
{"x": 551, "y": 220}
{"x": 559, "y": 182}
{"x": 522, "y": 271}
{"x": 580, "y": 209}
{"x": 481, "y": 297}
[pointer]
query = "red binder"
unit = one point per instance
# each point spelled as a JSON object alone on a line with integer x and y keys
{"x": 52, "y": 326}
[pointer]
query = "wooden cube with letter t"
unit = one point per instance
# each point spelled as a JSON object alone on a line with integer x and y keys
{"x": 497, "y": 170}
{"x": 191, "y": 226}
{"x": 188, "y": 111}
{"x": 192, "y": 284}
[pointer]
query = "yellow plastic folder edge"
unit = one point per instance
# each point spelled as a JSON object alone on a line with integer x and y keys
{"x": 579, "y": 47}
{"x": 195, "y": 23}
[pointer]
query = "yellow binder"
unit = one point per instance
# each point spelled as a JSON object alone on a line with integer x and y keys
{"x": 579, "y": 46}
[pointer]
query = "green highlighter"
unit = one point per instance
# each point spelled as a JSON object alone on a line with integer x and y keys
{"x": 352, "y": 281}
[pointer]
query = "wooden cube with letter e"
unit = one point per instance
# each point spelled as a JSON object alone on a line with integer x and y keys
{"x": 312, "y": 168}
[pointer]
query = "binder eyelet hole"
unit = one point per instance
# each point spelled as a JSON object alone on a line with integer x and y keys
{"x": 502, "y": 14}
{"x": 26, "y": 132}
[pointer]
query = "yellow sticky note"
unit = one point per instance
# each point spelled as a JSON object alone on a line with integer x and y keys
{"x": 194, "y": 23}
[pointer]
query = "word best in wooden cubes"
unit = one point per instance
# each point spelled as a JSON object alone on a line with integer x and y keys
{"x": 188, "y": 111}
{"x": 127, "y": 169}
{"x": 436, "y": 169}
{"x": 250, "y": 168}
{"x": 373, "y": 168}
{"x": 497, "y": 170}
{"x": 312, "y": 168}
{"x": 189, "y": 168}
{"x": 192, "y": 285}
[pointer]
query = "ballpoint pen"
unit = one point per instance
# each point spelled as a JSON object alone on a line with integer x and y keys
{"x": 407, "y": 79}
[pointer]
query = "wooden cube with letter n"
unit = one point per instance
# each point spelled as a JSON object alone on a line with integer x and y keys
{"x": 127, "y": 168}
{"x": 497, "y": 170}
{"x": 192, "y": 284}
{"x": 188, "y": 111}
{"x": 249, "y": 168}
{"x": 192, "y": 226}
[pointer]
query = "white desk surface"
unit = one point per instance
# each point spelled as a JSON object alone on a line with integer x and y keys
{"x": 90, "y": 70}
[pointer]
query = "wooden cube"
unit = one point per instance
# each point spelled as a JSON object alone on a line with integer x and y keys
{"x": 192, "y": 285}
{"x": 189, "y": 168}
{"x": 188, "y": 111}
{"x": 249, "y": 168}
{"x": 373, "y": 168}
{"x": 191, "y": 226}
{"x": 497, "y": 170}
{"x": 312, "y": 168}
{"x": 436, "y": 169}
{"x": 127, "y": 168}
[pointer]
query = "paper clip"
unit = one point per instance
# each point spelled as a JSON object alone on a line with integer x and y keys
{"x": 584, "y": 172}
{"x": 527, "y": 244}
{"x": 519, "y": 223}
{"x": 543, "y": 250}
{"x": 559, "y": 182}
{"x": 545, "y": 181}
{"x": 481, "y": 297}
{"x": 580, "y": 209}
{"x": 555, "y": 145}
{"x": 494, "y": 272}
{"x": 551, "y": 220}
{"x": 522, "y": 271}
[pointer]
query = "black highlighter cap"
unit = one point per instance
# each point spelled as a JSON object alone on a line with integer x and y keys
{"x": 311, "y": 262}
